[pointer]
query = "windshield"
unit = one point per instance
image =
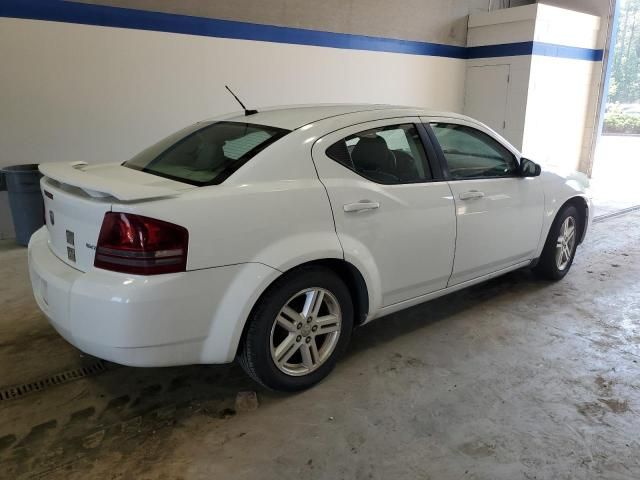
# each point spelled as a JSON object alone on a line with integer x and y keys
{"x": 205, "y": 153}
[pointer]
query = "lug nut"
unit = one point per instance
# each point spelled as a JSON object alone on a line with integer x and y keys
{"x": 314, "y": 328}
{"x": 299, "y": 326}
{"x": 308, "y": 339}
{"x": 298, "y": 338}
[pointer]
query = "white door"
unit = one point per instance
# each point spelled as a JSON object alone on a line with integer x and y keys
{"x": 499, "y": 214}
{"x": 486, "y": 92}
{"x": 390, "y": 218}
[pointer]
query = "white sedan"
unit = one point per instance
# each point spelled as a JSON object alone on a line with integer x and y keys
{"x": 268, "y": 236}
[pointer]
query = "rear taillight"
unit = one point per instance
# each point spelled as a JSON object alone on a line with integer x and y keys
{"x": 141, "y": 245}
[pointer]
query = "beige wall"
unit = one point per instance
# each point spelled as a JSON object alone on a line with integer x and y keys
{"x": 437, "y": 21}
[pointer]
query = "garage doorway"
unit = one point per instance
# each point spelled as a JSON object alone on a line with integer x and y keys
{"x": 616, "y": 165}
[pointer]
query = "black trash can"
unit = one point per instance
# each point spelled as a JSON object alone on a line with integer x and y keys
{"x": 27, "y": 208}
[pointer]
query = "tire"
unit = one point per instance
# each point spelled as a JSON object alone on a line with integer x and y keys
{"x": 554, "y": 265}
{"x": 275, "y": 334}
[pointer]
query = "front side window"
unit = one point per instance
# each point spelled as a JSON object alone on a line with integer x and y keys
{"x": 470, "y": 153}
{"x": 205, "y": 153}
{"x": 389, "y": 155}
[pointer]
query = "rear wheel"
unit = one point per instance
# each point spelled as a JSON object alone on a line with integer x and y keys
{"x": 560, "y": 247}
{"x": 298, "y": 330}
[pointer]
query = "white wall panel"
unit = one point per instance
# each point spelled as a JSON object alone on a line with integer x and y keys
{"x": 75, "y": 92}
{"x": 551, "y": 103}
{"x": 559, "y": 92}
{"x": 566, "y": 27}
{"x": 78, "y": 92}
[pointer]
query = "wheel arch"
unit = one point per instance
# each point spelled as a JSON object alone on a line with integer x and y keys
{"x": 354, "y": 280}
{"x": 348, "y": 272}
{"x": 581, "y": 204}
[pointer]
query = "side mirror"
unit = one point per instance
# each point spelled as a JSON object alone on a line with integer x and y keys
{"x": 529, "y": 168}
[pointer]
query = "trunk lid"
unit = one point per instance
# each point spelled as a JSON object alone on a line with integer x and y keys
{"x": 77, "y": 196}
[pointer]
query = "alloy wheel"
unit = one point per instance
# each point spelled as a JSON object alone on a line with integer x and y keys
{"x": 305, "y": 332}
{"x": 566, "y": 242}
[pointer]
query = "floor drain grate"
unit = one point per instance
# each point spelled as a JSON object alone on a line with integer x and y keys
{"x": 617, "y": 213}
{"x": 17, "y": 391}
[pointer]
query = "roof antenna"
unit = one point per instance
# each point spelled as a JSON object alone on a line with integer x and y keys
{"x": 247, "y": 112}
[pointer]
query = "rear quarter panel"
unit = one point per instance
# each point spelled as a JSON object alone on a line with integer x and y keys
{"x": 274, "y": 210}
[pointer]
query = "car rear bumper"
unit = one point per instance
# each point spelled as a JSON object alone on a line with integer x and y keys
{"x": 173, "y": 319}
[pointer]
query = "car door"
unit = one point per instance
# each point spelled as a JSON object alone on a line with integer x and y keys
{"x": 499, "y": 213}
{"x": 393, "y": 220}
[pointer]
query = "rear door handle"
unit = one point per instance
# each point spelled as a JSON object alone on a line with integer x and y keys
{"x": 471, "y": 194}
{"x": 361, "y": 206}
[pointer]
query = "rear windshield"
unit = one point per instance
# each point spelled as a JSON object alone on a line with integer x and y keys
{"x": 205, "y": 153}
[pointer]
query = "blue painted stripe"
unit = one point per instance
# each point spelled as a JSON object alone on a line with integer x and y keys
{"x": 87, "y": 14}
{"x": 534, "y": 48}
{"x": 108, "y": 16}
{"x": 562, "y": 51}
{"x": 502, "y": 50}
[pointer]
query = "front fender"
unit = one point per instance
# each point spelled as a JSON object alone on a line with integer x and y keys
{"x": 559, "y": 188}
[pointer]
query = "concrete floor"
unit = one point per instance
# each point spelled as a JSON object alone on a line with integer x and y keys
{"x": 513, "y": 379}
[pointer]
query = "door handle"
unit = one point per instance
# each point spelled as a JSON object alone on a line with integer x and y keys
{"x": 361, "y": 206}
{"x": 471, "y": 194}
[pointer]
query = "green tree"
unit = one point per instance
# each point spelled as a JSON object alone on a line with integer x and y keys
{"x": 625, "y": 74}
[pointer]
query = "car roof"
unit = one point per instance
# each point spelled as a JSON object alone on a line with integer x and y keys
{"x": 296, "y": 116}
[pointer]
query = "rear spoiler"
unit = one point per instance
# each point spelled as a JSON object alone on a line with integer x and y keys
{"x": 124, "y": 188}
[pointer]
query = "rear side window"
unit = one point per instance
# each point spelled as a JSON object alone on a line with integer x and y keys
{"x": 389, "y": 155}
{"x": 470, "y": 153}
{"x": 205, "y": 153}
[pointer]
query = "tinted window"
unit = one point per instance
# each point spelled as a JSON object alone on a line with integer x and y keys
{"x": 388, "y": 155}
{"x": 205, "y": 153}
{"x": 471, "y": 153}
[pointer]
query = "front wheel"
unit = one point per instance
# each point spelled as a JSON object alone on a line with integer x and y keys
{"x": 298, "y": 330}
{"x": 560, "y": 247}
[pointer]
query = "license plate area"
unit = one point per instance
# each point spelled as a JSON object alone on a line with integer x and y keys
{"x": 75, "y": 226}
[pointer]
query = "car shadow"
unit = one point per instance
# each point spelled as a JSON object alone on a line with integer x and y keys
{"x": 405, "y": 322}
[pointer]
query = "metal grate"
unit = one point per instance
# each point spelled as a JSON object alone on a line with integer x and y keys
{"x": 17, "y": 391}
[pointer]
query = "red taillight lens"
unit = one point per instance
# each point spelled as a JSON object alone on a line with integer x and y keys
{"x": 141, "y": 245}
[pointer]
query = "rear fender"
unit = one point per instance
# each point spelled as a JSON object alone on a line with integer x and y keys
{"x": 358, "y": 255}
